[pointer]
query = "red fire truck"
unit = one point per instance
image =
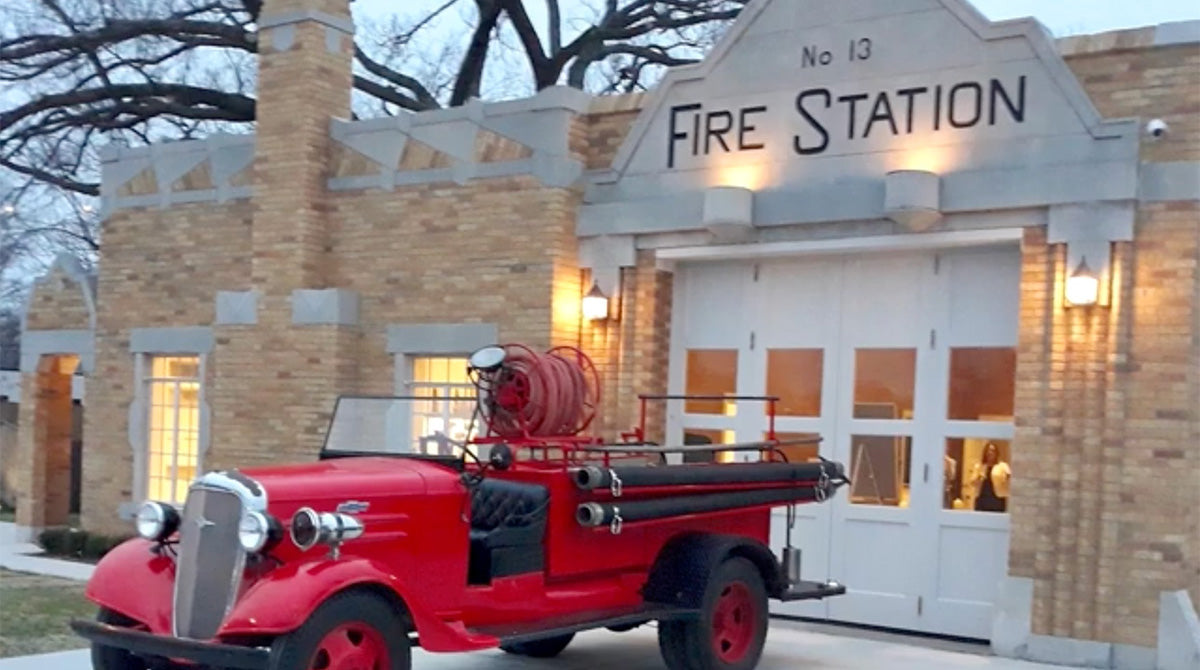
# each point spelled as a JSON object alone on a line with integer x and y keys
{"x": 515, "y": 529}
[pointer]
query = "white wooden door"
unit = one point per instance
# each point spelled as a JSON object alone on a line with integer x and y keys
{"x": 795, "y": 358}
{"x": 882, "y": 427}
{"x": 868, "y": 352}
{"x": 975, "y": 371}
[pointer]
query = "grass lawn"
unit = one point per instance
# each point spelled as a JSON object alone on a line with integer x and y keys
{"x": 34, "y": 611}
{"x": 7, "y": 515}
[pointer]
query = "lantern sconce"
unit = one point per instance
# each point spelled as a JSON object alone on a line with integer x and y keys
{"x": 595, "y": 304}
{"x": 1083, "y": 286}
{"x": 1086, "y": 233}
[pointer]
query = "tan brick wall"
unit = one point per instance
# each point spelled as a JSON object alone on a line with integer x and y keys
{"x": 160, "y": 269}
{"x": 1106, "y": 436}
{"x": 57, "y": 302}
{"x": 607, "y": 131}
{"x": 1160, "y": 82}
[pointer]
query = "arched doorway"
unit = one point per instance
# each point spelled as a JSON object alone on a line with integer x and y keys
{"x": 46, "y": 435}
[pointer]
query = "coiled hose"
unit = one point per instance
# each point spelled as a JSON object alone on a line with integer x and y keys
{"x": 543, "y": 394}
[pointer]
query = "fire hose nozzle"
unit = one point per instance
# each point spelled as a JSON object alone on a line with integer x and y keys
{"x": 590, "y": 515}
{"x": 589, "y": 477}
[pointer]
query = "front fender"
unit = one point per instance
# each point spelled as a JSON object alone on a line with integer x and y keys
{"x": 282, "y": 600}
{"x": 136, "y": 581}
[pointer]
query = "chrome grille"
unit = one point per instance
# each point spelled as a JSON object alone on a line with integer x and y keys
{"x": 210, "y": 563}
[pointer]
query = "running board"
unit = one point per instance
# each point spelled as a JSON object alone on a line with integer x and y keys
{"x": 812, "y": 591}
{"x": 574, "y": 623}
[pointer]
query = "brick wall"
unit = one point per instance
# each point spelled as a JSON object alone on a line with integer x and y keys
{"x": 57, "y": 302}
{"x": 161, "y": 268}
{"x": 1106, "y": 436}
{"x": 1150, "y": 83}
{"x": 1107, "y": 398}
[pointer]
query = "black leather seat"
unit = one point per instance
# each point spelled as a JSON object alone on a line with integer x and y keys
{"x": 508, "y": 526}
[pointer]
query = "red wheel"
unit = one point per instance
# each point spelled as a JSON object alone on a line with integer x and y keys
{"x": 351, "y": 646}
{"x": 734, "y": 623}
{"x": 731, "y": 630}
{"x": 354, "y": 630}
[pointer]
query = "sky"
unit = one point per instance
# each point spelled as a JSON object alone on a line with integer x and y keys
{"x": 1062, "y": 17}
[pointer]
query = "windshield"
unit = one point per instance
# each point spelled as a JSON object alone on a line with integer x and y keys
{"x": 421, "y": 426}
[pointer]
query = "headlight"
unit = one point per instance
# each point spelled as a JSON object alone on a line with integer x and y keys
{"x": 306, "y": 527}
{"x": 156, "y": 521}
{"x": 310, "y": 528}
{"x": 254, "y": 531}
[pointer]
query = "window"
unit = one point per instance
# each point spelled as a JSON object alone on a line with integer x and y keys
{"x": 173, "y": 389}
{"x": 711, "y": 372}
{"x": 444, "y": 420}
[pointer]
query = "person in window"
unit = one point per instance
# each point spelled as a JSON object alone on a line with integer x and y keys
{"x": 990, "y": 479}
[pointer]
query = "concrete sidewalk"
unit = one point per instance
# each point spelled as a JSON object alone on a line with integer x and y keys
{"x": 25, "y": 557}
{"x": 789, "y": 647}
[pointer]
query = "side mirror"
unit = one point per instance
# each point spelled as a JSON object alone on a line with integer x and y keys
{"x": 501, "y": 457}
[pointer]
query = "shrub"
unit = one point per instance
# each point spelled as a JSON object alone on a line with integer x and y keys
{"x": 76, "y": 543}
{"x": 53, "y": 540}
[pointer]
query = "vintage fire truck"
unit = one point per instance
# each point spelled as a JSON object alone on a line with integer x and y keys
{"x": 517, "y": 535}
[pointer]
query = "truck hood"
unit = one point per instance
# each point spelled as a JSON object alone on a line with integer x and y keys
{"x": 325, "y": 484}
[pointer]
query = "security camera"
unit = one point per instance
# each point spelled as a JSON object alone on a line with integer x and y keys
{"x": 1157, "y": 128}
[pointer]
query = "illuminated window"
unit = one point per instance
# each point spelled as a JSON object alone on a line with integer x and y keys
{"x": 443, "y": 422}
{"x": 173, "y": 389}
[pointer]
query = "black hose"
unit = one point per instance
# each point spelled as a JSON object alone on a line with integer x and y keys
{"x": 593, "y": 477}
{"x": 601, "y": 514}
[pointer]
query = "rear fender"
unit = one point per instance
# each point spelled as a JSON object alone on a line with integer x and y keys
{"x": 282, "y": 600}
{"x": 682, "y": 570}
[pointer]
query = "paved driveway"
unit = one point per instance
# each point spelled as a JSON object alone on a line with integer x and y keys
{"x": 789, "y": 647}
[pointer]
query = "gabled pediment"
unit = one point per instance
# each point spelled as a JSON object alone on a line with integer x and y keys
{"x": 914, "y": 83}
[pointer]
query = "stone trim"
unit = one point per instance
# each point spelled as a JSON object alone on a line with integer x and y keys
{"x": 38, "y": 343}
{"x": 185, "y": 340}
{"x": 1178, "y": 632}
{"x": 440, "y": 338}
{"x": 322, "y": 307}
{"x": 1169, "y": 182}
{"x": 1043, "y": 47}
{"x": 1162, "y": 35}
{"x": 864, "y": 199}
{"x": 289, "y": 18}
{"x": 226, "y": 156}
{"x": 10, "y": 386}
{"x": 1178, "y": 635}
{"x": 237, "y": 308}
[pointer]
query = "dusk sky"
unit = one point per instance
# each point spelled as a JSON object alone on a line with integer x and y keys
{"x": 1062, "y": 17}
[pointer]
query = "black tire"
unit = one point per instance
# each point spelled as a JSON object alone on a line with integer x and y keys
{"x": 544, "y": 648}
{"x": 373, "y": 621}
{"x": 693, "y": 644}
{"x": 112, "y": 658}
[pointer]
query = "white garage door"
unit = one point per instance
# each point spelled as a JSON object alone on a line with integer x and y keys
{"x": 905, "y": 365}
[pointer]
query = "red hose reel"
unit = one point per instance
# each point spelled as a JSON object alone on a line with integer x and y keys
{"x": 529, "y": 394}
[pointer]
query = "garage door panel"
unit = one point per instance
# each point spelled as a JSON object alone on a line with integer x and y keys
{"x": 714, "y": 306}
{"x": 882, "y": 300}
{"x": 902, "y": 355}
{"x": 801, "y": 301}
{"x": 985, "y": 297}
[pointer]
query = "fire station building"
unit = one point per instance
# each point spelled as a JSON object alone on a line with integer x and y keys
{"x": 964, "y": 253}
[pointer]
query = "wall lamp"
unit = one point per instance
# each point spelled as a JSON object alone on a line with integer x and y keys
{"x": 1087, "y": 231}
{"x": 1083, "y": 286}
{"x": 595, "y": 304}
